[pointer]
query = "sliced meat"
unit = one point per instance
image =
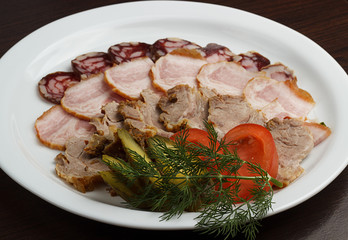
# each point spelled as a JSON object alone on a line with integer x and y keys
{"x": 279, "y": 72}
{"x": 166, "y": 45}
{"x": 141, "y": 117}
{"x": 252, "y": 61}
{"x": 85, "y": 99}
{"x": 53, "y": 85}
{"x": 111, "y": 119}
{"x": 319, "y": 131}
{"x": 126, "y": 51}
{"x": 181, "y": 66}
{"x": 226, "y": 78}
{"x": 105, "y": 143}
{"x": 293, "y": 142}
{"x": 216, "y": 53}
{"x": 227, "y": 112}
{"x": 274, "y": 110}
{"x": 55, "y": 126}
{"x": 91, "y": 63}
{"x": 290, "y": 100}
{"x": 183, "y": 106}
{"x": 78, "y": 168}
{"x": 129, "y": 79}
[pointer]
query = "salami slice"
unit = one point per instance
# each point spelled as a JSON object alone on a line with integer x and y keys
{"x": 126, "y": 51}
{"x": 252, "y": 61}
{"x": 166, "y": 45}
{"x": 215, "y": 53}
{"x": 91, "y": 63}
{"x": 53, "y": 85}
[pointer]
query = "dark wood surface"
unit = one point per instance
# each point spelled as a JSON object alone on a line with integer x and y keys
{"x": 25, "y": 216}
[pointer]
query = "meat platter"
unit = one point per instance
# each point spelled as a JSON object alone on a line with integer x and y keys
{"x": 55, "y": 53}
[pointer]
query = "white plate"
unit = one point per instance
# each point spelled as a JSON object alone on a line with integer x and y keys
{"x": 52, "y": 47}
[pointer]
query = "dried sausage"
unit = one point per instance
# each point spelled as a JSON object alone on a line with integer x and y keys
{"x": 215, "y": 53}
{"x": 126, "y": 51}
{"x": 91, "y": 63}
{"x": 53, "y": 85}
{"x": 252, "y": 61}
{"x": 163, "y": 46}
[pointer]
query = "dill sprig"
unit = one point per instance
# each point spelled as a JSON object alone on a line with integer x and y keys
{"x": 189, "y": 177}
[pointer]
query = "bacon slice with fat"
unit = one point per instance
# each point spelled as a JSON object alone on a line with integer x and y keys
{"x": 181, "y": 66}
{"x": 129, "y": 79}
{"x": 85, "y": 99}
{"x": 320, "y": 132}
{"x": 290, "y": 100}
{"x": 55, "y": 126}
{"x": 227, "y": 78}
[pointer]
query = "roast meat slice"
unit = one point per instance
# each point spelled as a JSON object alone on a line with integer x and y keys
{"x": 141, "y": 117}
{"x": 183, "y": 106}
{"x": 293, "y": 142}
{"x": 78, "y": 168}
{"x": 226, "y": 112}
{"x": 111, "y": 117}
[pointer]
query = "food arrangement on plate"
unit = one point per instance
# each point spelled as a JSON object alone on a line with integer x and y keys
{"x": 173, "y": 127}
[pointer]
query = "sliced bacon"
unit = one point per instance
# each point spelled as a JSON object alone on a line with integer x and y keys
{"x": 252, "y": 61}
{"x": 126, "y": 51}
{"x": 227, "y": 78}
{"x": 279, "y": 72}
{"x": 55, "y": 126}
{"x": 166, "y": 45}
{"x": 85, "y": 99}
{"x": 91, "y": 63}
{"x": 53, "y": 85}
{"x": 319, "y": 131}
{"x": 181, "y": 66}
{"x": 129, "y": 79}
{"x": 216, "y": 53}
{"x": 293, "y": 101}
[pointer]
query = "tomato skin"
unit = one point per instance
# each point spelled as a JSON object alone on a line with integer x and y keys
{"x": 194, "y": 135}
{"x": 253, "y": 143}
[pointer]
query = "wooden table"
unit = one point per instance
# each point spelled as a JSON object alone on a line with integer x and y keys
{"x": 25, "y": 216}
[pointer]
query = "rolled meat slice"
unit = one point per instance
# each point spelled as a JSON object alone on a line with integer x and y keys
{"x": 55, "y": 126}
{"x": 286, "y": 99}
{"x": 53, "y": 85}
{"x": 166, "y": 45}
{"x": 216, "y": 53}
{"x": 85, "y": 99}
{"x": 91, "y": 63}
{"x": 129, "y": 79}
{"x": 252, "y": 61}
{"x": 126, "y": 51}
{"x": 181, "y": 66}
{"x": 226, "y": 78}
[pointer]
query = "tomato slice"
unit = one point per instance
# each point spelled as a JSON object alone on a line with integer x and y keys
{"x": 194, "y": 135}
{"x": 253, "y": 143}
